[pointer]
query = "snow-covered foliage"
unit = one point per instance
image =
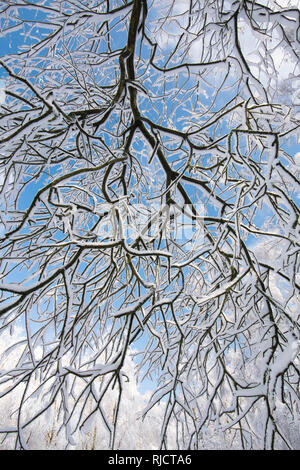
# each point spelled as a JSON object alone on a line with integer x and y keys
{"x": 149, "y": 224}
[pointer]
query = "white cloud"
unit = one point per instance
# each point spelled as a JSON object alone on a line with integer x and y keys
{"x": 297, "y": 158}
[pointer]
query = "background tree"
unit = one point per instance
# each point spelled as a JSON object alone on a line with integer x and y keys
{"x": 149, "y": 202}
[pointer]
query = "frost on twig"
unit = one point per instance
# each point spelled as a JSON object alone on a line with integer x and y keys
{"x": 149, "y": 205}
